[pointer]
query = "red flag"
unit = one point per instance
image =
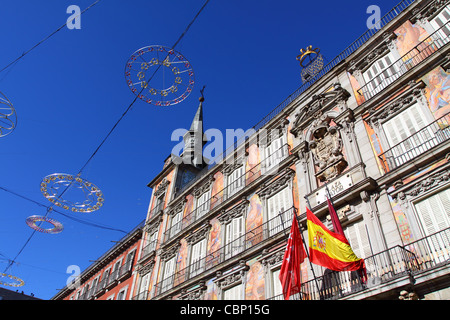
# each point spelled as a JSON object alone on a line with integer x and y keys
{"x": 335, "y": 219}
{"x": 293, "y": 257}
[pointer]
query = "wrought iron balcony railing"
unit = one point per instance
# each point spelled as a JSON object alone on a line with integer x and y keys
{"x": 400, "y": 261}
{"x": 267, "y": 230}
{"x": 432, "y": 135}
{"x": 265, "y": 166}
{"x": 416, "y": 55}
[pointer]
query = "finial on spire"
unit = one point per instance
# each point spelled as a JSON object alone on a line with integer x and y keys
{"x": 202, "y": 98}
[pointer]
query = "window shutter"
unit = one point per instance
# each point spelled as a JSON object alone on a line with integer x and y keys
{"x": 279, "y": 203}
{"x": 434, "y": 212}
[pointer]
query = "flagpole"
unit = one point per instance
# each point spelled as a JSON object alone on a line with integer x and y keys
{"x": 306, "y": 249}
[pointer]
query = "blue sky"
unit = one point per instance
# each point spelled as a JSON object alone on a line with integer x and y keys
{"x": 71, "y": 90}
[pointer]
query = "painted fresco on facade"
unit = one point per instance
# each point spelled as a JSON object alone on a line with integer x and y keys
{"x": 355, "y": 87}
{"x": 254, "y": 288}
{"x": 181, "y": 263}
{"x": 188, "y": 210}
{"x": 437, "y": 91}
{"x": 254, "y": 220}
{"x": 213, "y": 246}
{"x": 253, "y": 166}
{"x": 410, "y": 40}
{"x": 217, "y": 190}
{"x": 210, "y": 293}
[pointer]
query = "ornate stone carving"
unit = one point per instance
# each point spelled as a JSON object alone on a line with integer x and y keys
{"x": 235, "y": 212}
{"x": 432, "y": 181}
{"x": 196, "y": 294}
{"x": 162, "y": 188}
{"x": 198, "y": 234}
{"x": 317, "y": 107}
{"x": 169, "y": 253}
{"x": 278, "y": 184}
{"x": 234, "y": 277}
{"x": 326, "y": 147}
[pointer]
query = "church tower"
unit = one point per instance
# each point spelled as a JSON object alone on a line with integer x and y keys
{"x": 193, "y": 140}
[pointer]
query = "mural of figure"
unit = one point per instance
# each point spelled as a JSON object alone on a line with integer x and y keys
{"x": 253, "y": 166}
{"x": 188, "y": 208}
{"x": 253, "y": 225}
{"x": 410, "y": 36}
{"x": 213, "y": 253}
{"x": 217, "y": 190}
{"x": 181, "y": 263}
{"x": 254, "y": 289}
{"x": 438, "y": 91}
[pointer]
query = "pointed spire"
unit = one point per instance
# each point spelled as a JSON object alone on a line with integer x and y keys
{"x": 197, "y": 123}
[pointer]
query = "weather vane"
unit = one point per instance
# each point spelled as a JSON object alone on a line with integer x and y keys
{"x": 311, "y": 62}
{"x": 159, "y": 75}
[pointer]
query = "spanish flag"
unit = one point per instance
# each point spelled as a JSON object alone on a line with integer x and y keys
{"x": 331, "y": 250}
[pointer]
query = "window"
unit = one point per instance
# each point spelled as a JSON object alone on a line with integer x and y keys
{"x": 233, "y": 293}
{"x": 441, "y": 23}
{"x": 236, "y": 181}
{"x": 357, "y": 235}
{"x": 380, "y": 74}
{"x": 405, "y": 136}
{"x": 202, "y": 204}
{"x": 275, "y": 152}
{"x": 434, "y": 216}
{"x": 121, "y": 295}
{"x": 151, "y": 242}
{"x": 198, "y": 258}
{"x": 169, "y": 271}
{"x": 234, "y": 242}
{"x": 434, "y": 212}
{"x": 176, "y": 223}
{"x": 277, "y": 290}
{"x": 279, "y": 208}
{"x": 143, "y": 287}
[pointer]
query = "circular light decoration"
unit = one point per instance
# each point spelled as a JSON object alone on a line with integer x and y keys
{"x": 19, "y": 282}
{"x": 57, "y": 226}
{"x": 159, "y": 75}
{"x": 54, "y": 186}
{"x": 312, "y": 65}
{"x": 8, "y": 116}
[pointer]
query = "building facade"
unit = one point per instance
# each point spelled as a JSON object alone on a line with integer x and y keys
{"x": 373, "y": 128}
{"x": 111, "y": 277}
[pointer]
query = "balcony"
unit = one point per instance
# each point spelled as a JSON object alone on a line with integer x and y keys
{"x": 141, "y": 296}
{"x": 268, "y": 166}
{"x": 415, "y": 56}
{"x": 434, "y": 134}
{"x": 387, "y": 270}
{"x": 272, "y": 228}
{"x": 125, "y": 270}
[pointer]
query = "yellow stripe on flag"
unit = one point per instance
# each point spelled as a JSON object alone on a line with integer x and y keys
{"x": 321, "y": 240}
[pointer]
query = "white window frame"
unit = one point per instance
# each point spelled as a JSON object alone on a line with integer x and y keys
{"x": 175, "y": 224}
{"x": 233, "y": 293}
{"x": 234, "y": 240}
{"x": 198, "y": 254}
{"x": 433, "y": 215}
{"x": 440, "y": 22}
{"x": 380, "y": 74}
{"x": 275, "y": 151}
{"x": 169, "y": 273}
{"x": 235, "y": 180}
{"x": 124, "y": 292}
{"x": 400, "y": 133}
{"x": 279, "y": 202}
{"x": 202, "y": 204}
